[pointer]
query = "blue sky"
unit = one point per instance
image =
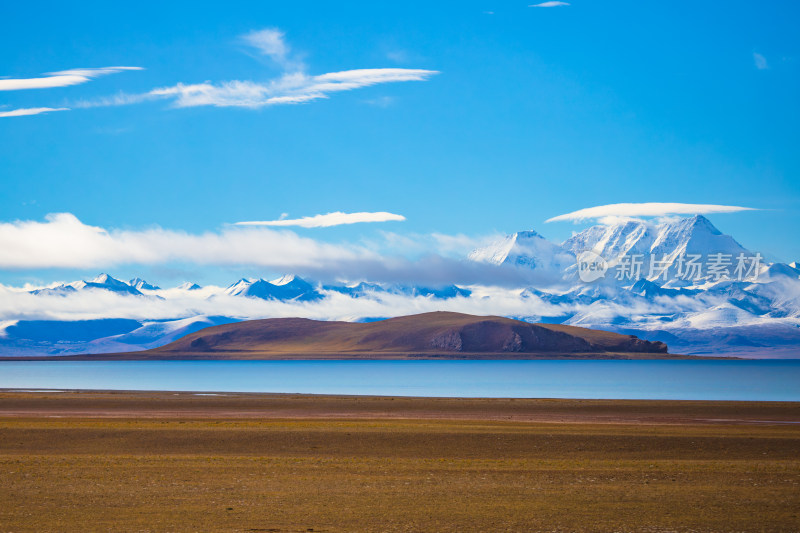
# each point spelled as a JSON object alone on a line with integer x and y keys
{"x": 525, "y": 113}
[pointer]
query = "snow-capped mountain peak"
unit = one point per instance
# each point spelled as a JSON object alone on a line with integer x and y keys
{"x": 693, "y": 235}
{"x": 105, "y": 279}
{"x": 688, "y": 235}
{"x": 284, "y": 280}
{"x": 524, "y": 248}
{"x": 243, "y": 285}
{"x": 140, "y": 284}
{"x": 106, "y": 282}
{"x": 612, "y": 240}
{"x": 290, "y": 288}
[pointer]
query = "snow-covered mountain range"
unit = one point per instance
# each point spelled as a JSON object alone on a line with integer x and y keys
{"x": 693, "y": 287}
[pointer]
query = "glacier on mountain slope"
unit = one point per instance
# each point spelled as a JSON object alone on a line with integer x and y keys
{"x": 751, "y": 317}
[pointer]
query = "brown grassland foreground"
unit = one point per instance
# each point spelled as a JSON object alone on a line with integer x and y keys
{"x": 182, "y": 462}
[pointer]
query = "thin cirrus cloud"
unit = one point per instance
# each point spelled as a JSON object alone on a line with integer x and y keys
{"x": 646, "y": 209}
{"x": 330, "y": 219}
{"x": 24, "y": 112}
{"x": 550, "y": 4}
{"x": 760, "y": 61}
{"x": 292, "y": 88}
{"x": 64, "y": 78}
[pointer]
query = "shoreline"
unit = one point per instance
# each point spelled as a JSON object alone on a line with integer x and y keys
{"x": 84, "y": 403}
{"x": 135, "y": 356}
{"x": 228, "y": 356}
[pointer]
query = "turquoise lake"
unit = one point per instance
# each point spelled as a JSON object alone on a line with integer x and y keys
{"x": 684, "y": 380}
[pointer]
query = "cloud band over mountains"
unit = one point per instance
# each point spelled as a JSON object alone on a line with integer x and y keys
{"x": 63, "y": 241}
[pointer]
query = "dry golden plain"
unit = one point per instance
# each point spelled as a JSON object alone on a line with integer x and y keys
{"x": 95, "y": 461}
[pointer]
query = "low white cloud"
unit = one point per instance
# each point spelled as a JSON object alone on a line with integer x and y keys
{"x": 63, "y": 78}
{"x": 760, "y": 61}
{"x": 330, "y": 219}
{"x": 647, "y": 209}
{"x": 63, "y": 241}
{"x": 16, "y": 304}
{"x": 24, "y": 112}
{"x": 94, "y": 304}
{"x": 550, "y": 4}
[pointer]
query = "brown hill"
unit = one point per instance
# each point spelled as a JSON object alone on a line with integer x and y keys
{"x": 440, "y": 334}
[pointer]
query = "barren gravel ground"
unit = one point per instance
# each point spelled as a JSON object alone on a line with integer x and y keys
{"x": 81, "y": 461}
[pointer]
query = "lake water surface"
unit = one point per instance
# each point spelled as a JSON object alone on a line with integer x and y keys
{"x": 686, "y": 380}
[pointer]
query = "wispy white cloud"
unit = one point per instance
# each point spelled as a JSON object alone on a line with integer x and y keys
{"x": 381, "y": 101}
{"x": 550, "y": 4}
{"x": 760, "y": 61}
{"x": 330, "y": 219}
{"x": 30, "y": 111}
{"x": 647, "y": 209}
{"x": 398, "y": 56}
{"x": 292, "y": 88}
{"x": 63, "y": 241}
{"x": 62, "y": 78}
{"x": 115, "y": 100}
{"x": 271, "y": 42}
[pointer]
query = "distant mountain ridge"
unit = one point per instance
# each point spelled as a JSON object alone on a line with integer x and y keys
{"x": 287, "y": 288}
{"x": 756, "y": 316}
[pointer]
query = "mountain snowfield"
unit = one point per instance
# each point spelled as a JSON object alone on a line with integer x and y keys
{"x": 753, "y": 314}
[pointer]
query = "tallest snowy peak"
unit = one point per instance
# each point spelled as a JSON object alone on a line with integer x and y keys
{"x": 671, "y": 237}
{"x": 693, "y": 223}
